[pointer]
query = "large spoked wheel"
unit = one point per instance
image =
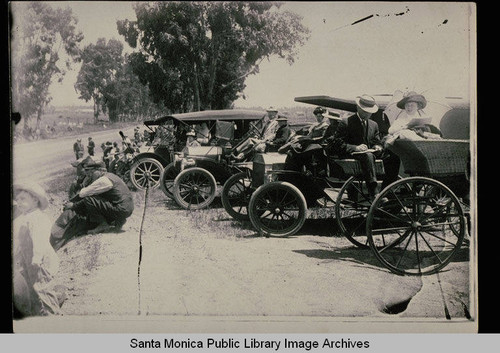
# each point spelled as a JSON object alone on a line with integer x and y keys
{"x": 415, "y": 226}
{"x": 236, "y": 196}
{"x": 167, "y": 179}
{"x": 351, "y": 208}
{"x": 194, "y": 188}
{"x": 277, "y": 209}
{"x": 146, "y": 173}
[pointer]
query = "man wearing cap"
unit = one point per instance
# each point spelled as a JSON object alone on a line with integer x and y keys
{"x": 358, "y": 137}
{"x": 107, "y": 202}
{"x": 34, "y": 260}
{"x": 78, "y": 148}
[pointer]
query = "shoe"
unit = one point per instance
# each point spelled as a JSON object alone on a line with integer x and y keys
{"x": 119, "y": 223}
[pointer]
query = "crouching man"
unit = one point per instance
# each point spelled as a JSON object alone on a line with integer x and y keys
{"x": 106, "y": 202}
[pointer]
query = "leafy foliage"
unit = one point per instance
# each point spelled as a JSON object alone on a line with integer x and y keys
{"x": 100, "y": 65}
{"x": 40, "y": 33}
{"x": 197, "y": 55}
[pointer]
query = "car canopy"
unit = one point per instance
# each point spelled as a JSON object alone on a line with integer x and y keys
{"x": 209, "y": 115}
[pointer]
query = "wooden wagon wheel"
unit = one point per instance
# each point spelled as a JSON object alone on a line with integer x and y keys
{"x": 194, "y": 188}
{"x": 415, "y": 226}
{"x": 277, "y": 209}
{"x": 351, "y": 209}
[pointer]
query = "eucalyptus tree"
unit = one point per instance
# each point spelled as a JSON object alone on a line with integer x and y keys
{"x": 197, "y": 55}
{"x": 101, "y": 62}
{"x": 45, "y": 43}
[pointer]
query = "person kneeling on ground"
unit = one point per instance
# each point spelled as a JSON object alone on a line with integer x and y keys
{"x": 107, "y": 202}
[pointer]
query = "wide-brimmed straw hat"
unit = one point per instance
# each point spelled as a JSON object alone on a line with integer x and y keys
{"x": 367, "y": 103}
{"x": 36, "y": 190}
{"x": 272, "y": 109}
{"x": 412, "y": 97}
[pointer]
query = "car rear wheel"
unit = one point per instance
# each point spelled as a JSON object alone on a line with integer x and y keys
{"x": 167, "y": 179}
{"x": 236, "y": 196}
{"x": 194, "y": 188}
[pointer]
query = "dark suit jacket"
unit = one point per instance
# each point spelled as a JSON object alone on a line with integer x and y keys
{"x": 282, "y": 135}
{"x": 350, "y": 133}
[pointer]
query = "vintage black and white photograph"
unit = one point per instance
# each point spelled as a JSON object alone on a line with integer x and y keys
{"x": 234, "y": 166}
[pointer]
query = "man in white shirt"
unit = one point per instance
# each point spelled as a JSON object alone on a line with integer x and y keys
{"x": 107, "y": 202}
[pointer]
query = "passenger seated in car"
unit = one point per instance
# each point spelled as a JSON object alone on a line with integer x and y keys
{"x": 191, "y": 139}
{"x": 258, "y": 144}
{"x": 202, "y": 133}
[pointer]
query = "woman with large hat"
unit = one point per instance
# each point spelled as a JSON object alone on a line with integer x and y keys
{"x": 413, "y": 115}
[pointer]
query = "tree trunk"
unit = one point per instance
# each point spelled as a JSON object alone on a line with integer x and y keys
{"x": 212, "y": 73}
{"x": 196, "y": 89}
{"x": 96, "y": 110}
{"x": 39, "y": 118}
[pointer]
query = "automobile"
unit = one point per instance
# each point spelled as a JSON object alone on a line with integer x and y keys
{"x": 196, "y": 173}
{"x": 167, "y": 136}
{"x": 414, "y": 226}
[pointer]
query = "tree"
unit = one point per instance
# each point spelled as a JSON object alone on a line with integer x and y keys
{"x": 40, "y": 34}
{"x": 126, "y": 98}
{"x": 100, "y": 64}
{"x": 197, "y": 55}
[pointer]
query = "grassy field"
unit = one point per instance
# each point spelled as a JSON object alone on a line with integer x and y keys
{"x": 67, "y": 121}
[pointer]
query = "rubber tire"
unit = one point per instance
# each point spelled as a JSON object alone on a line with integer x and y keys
{"x": 167, "y": 175}
{"x": 255, "y": 214}
{"x": 362, "y": 241}
{"x": 189, "y": 173}
{"x": 233, "y": 180}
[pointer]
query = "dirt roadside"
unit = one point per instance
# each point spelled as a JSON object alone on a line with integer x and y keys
{"x": 203, "y": 264}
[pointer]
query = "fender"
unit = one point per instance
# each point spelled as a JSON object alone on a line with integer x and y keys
{"x": 220, "y": 170}
{"x": 162, "y": 160}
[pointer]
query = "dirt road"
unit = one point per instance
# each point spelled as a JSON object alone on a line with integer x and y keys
{"x": 200, "y": 271}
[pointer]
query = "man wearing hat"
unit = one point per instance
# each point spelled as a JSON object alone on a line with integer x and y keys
{"x": 358, "y": 137}
{"x": 270, "y": 125}
{"x": 267, "y": 134}
{"x": 34, "y": 260}
{"x": 78, "y": 148}
{"x": 107, "y": 202}
{"x": 282, "y": 134}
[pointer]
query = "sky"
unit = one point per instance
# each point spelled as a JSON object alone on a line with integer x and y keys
{"x": 425, "y": 47}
